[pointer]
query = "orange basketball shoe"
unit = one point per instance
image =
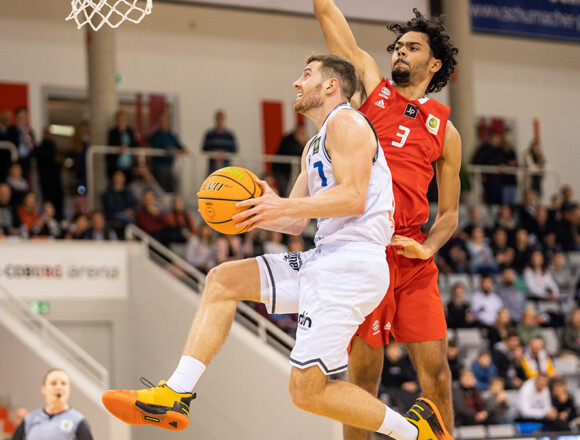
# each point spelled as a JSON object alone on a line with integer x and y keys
{"x": 425, "y": 416}
{"x": 158, "y": 406}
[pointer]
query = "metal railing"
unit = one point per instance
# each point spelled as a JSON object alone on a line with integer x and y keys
{"x": 52, "y": 336}
{"x": 522, "y": 174}
{"x": 5, "y": 145}
{"x": 264, "y": 329}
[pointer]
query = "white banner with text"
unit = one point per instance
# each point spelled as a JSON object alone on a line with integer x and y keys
{"x": 64, "y": 270}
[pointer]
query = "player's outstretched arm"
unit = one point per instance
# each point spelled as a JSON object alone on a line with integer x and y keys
{"x": 341, "y": 41}
{"x": 448, "y": 186}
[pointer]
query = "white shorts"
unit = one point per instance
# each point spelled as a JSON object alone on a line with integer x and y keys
{"x": 333, "y": 288}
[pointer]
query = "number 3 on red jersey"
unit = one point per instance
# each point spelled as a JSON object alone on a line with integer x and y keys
{"x": 403, "y": 134}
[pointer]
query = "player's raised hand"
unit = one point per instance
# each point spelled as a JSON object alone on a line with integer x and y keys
{"x": 268, "y": 207}
{"x": 410, "y": 248}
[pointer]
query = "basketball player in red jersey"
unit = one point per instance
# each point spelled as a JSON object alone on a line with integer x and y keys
{"x": 414, "y": 131}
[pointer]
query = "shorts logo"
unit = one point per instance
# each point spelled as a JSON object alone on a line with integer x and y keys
{"x": 293, "y": 259}
{"x": 304, "y": 322}
{"x": 411, "y": 111}
{"x": 388, "y": 326}
{"x": 376, "y": 325}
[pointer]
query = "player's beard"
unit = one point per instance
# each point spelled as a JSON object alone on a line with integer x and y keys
{"x": 310, "y": 101}
{"x": 401, "y": 77}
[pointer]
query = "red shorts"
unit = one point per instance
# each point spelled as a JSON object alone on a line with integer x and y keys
{"x": 412, "y": 309}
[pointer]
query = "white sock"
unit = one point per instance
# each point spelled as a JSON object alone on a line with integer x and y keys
{"x": 186, "y": 375}
{"x": 398, "y": 427}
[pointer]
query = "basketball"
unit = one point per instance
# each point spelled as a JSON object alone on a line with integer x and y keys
{"x": 219, "y": 194}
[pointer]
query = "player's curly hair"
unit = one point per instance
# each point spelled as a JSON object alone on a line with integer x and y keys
{"x": 439, "y": 42}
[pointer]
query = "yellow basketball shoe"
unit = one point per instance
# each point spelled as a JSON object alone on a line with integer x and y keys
{"x": 158, "y": 406}
{"x": 425, "y": 416}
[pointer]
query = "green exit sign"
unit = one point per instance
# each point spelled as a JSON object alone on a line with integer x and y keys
{"x": 40, "y": 307}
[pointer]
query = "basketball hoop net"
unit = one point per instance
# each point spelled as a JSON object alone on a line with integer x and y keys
{"x": 96, "y": 13}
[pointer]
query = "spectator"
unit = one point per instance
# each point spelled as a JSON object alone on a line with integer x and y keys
{"x": 527, "y": 211}
{"x": 568, "y": 230}
{"x": 561, "y": 273}
{"x": 534, "y": 404}
{"x": 81, "y": 144}
{"x": 273, "y": 243}
{"x": 29, "y": 215}
{"x": 475, "y": 221}
{"x": 291, "y": 145}
{"x": 496, "y": 403}
{"x": 221, "y": 141}
{"x": 491, "y": 153}
{"x": 555, "y": 209}
{"x": 201, "y": 250}
{"x": 455, "y": 359}
{"x": 18, "y": 415}
{"x": 399, "y": 380}
{"x": 507, "y": 357}
{"x": 571, "y": 336}
{"x": 78, "y": 230}
{"x": 56, "y": 418}
{"x": 252, "y": 245}
{"x": 458, "y": 314}
{"x": 121, "y": 135}
{"x": 48, "y": 225}
{"x": 229, "y": 248}
{"x": 296, "y": 243}
{"x": 143, "y": 180}
{"x": 563, "y": 401}
{"x": 502, "y": 252}
{"x": 511, "y": 293}
{"x": 540, "y": 283}
{"x": 5, "y": 155}
{"x": 535, "y": 163}
{"x": 509, "y": 181}
{"x": 568, "y": 201}
{"x": 49, "y": 164}
{"x": 119, "y": 204}
{"x": 181, "y": 219}
{"x": 452, "y": 258}
{"x": 501, "y": 328}
{"x": 483, "y": 370}
{"x": 522, "y": 251}
{"x": 536, "y": 360}
{"x": 22, "y": 136}
{"x": 528, "y": 328}
{"x": 99, "y": 230}
{"x": 9, "y": 220}
{"x": 485, "y": 304}
{"x": 467, "y": 401}
{"x": 541, "y": 226}
{"x": 505, "y": 220}
{"x": 481, "y": 259}
{"x": 150, "y": 218}
{"x": 17, "y": 183}
{"x": 165, "y": 139}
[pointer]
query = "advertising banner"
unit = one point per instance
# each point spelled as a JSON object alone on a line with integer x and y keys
{"x": 548, "y": 19}
{"x": 61, "y": 270}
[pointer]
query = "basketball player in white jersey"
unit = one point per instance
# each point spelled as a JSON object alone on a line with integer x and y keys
{"x": 346, "y": 184}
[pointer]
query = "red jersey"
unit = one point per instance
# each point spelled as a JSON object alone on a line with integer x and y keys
{"x": 411, "y": 134}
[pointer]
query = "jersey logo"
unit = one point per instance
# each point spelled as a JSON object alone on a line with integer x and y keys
{"x": 385, "y": 93}
{"x": 316, "y": 146}
{"x": 433, "y": 124}
{"x": 380, "y": 103}
{"x": 411, "y": 111}
{"x": 293, "y": 259}
{"x": 66, "y": 425}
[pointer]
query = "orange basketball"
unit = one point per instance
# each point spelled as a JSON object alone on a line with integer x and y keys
{"x": 219, "y": 194}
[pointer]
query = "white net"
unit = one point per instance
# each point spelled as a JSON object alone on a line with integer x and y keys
{"x": 97, "y": 13}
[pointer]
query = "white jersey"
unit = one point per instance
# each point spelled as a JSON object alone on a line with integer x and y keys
{"x": 376, "y": 224}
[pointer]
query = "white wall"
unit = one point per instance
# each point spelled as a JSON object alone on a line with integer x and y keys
{"x": 210, "y": 58}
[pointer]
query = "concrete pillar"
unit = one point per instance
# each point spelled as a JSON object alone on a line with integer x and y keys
{"x": 458, "y": 23}
{"x": 103, "y": 100}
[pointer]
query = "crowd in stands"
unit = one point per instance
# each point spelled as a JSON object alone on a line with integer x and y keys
{"x": 515, "y": 255}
